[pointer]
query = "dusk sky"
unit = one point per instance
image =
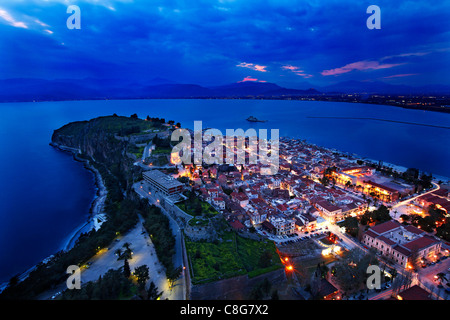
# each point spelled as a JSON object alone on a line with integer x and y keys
{"x": 225, "y": 41}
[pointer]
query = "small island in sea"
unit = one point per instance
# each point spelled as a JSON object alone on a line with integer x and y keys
{"x": 253, "y": 119}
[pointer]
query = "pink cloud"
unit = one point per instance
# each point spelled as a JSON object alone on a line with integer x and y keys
{"x": 249, "y": 78}
{"x": 290, "y": 68}
{"x": 360, "y": 65}
{"x": 400, "y": 75}
{"x": 402, "y": 55}
{"x": 297, "y": 71}
{"x": 304, "y": 75}
{"x": 252, "y": 66}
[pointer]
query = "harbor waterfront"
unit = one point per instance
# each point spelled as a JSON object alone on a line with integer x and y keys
{"x": 42, "y": 206}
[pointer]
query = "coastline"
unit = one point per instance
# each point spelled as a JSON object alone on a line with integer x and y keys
{"x": 396, "y": 167}
{"x": 95, "y": 218}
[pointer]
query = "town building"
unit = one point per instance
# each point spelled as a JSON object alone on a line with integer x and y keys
{"x": 329, "y": 211}
{"x": 163, "y": 183}
{"x": 405, "y": 245}
{"x": 283, "y": 226}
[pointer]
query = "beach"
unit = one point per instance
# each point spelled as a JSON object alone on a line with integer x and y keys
{"x": 96, "y": 216}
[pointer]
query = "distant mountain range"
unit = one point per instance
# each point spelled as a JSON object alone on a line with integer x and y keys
{"x": 27, "y": 89}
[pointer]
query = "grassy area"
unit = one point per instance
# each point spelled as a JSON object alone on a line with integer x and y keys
{"x": 195, "y": 207}
{"x": 161, "y": 150}
{"x": 230, "y": 257}
{"x": 137, "y": 151}
{"x": 198, "y": 222}
{"x": 112, "y": 124}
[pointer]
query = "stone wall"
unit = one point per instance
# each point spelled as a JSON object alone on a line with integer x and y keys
{"x": 196, "y": 233}
{"x": 236, "y": 288}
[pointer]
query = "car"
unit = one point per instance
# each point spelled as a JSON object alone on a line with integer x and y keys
{"x": 388, "y": 285}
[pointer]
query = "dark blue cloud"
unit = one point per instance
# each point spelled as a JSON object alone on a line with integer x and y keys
{"x": 204, "y": 41}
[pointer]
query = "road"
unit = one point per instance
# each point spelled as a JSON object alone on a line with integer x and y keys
{"x": 426, "y": 277}
{"x": 401, "y": 203}
{"x": 179, "y": 287}
{"x": 147, "y": 151}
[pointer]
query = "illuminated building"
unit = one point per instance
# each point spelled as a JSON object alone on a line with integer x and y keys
{"x": 402, "y": 244}
{"x": 163, "y": 183}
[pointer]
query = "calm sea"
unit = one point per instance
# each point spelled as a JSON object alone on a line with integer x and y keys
{"x": 45, "y": 195}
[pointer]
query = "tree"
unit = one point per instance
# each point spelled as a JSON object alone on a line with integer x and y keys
{"x": 351, "y": 272}
{"x": 405, "y": 218}
{"x": 118, "y": 253}
{"x": 126, "y": 269}
{"x": 152, "y": 292}
{"x": 198, "y": 208}
{"x": 127, "y": 252}
{"x": 13, "y": 281}
{"x": 351, "y": 226}
{"x": 441, "y": 277}
{"x": 444, "y": 231}
{"x": 173, "y": 276}
{"x": 142, "y": 275}
{"x": 382, "y": 214}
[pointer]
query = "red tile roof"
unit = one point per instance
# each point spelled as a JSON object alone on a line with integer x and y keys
{"x": 381, "y": 186}
{"x": 370, "y": 233}
{"x": 268, "y": 225}
{"x": 386, "y": 240}
{"x": 420, "y": 243}
{"x": 328, "y": 206}
{"x": 414, "y": 229}
{"x": 237, "y": 225}
{"x": 415, "y": 293}
{"x": 402, "y": 250}
{"x": 385, "y": 226}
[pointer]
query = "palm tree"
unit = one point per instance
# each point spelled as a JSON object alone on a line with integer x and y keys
{"x": 127, "y": 252}
{"x": 118, "y": 252}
